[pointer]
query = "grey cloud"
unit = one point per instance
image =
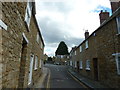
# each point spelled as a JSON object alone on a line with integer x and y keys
{"x": 53, "y": 34}
{"x": 56, "y": 6}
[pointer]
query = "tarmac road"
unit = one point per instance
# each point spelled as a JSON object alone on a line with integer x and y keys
{"x": 60, "y": 78}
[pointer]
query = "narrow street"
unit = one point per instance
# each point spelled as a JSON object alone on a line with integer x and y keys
{"x": 60, "y": 78}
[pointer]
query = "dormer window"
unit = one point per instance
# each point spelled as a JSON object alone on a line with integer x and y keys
{"x": 28, "y": 13}
{"x": 118, "y": 24}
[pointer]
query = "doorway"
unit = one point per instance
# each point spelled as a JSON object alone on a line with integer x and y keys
{"x": 95, "y": 66}
{"x": 22, "y": 64}
{"x": 78, "y": 66}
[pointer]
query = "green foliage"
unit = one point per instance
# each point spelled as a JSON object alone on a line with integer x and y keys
{"x": 62, "y": 49}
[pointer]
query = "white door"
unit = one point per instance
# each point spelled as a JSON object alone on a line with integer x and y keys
{"x": 30, "y": 69}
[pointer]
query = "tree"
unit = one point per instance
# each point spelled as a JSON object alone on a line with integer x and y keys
{"x": 49, "y": 59}
{"x": 62, "y": 49}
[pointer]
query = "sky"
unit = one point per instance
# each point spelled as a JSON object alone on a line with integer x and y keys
{"x": 67, "y": 20}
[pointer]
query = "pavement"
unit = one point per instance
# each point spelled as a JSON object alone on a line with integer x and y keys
{"x": 87, "y": 82}
{"x": 43, "y": 82}
{"x": 44, "y": 79}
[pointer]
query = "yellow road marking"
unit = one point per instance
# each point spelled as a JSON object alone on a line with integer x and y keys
{"x": 48, "y": 82}
{"x": 78, "y": 81}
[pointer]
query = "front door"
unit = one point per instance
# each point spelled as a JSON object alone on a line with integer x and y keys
{"x": 30, "y": 69}
{"x": 78, "y": 66}
{"x": 95, "y": 65}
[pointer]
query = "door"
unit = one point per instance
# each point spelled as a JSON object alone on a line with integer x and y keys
{"x": 78, "y": 66}
{"x": 95, "y": 66}
{"x": 30, "y": 69}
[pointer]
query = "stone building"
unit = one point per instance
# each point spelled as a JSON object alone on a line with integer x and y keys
{"x": 62, "y": 59}
{"x": 21, "y": 45}
{"x": 98, "y": 56}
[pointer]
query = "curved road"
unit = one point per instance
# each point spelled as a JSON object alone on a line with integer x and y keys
{"x": 60, "y": 78}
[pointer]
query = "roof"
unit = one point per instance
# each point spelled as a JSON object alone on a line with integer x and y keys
{"x": 103, "y": 24}
{"x": 34, "y": 12}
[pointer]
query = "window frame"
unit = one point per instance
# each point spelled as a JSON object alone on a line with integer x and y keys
{"x": 28, "y": 13}
{"x": 36, "y": 63}
{"x": 75, "y": 52}
{"x": 40, "y": 63}
{"x": 70, "y": 63}
{"x": 75, "y": 64}
{"x": 81, "y": 64}
{"x": 86, "y": 44}
{"x": 87, "y": 64}
{"x": 118, "y": 63}
{"x": 38, "y": 38}
{"x": 118, "y": 24}
{"x": 80, "y": 48}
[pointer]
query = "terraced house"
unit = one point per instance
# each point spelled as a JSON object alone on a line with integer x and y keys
{"x": 98, "y": 56}
{"x": 21, "y": 45}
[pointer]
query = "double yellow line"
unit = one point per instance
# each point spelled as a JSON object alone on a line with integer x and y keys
{"x": 78, "y": 80}
{"x": 48, "y": 80}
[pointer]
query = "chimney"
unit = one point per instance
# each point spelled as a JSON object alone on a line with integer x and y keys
{"x": 115, "y": 4}
{"x": 86, "y": 34}
{"x": 103, "y": 16}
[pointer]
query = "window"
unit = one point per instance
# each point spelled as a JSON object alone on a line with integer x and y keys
{"x": 70, "y": 63}
{"x": 3, "y": 25}
{"x": 28, "y": 13}
{"x": 41, "y": 45}
{"x": 61, "y": 56}
{"x": 36, "y": 63}
{"x": 88, "y": 65}
{"x": 118, "y": 24}
{"x": 75, "y": 64}
{"x": 81, "y": 65}
{"x": 38, "y": 38}
{"x": 67, "y": 57}
{"x": 86, "y": 44}
{"x": 40, "y": 65}
{"x": 80, "y": 48}
{"x": 75, "y": 53}
{"x": 118, "y": 63}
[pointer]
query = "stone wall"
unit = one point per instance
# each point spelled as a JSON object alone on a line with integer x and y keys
{"x": 102, "y": 43}
{"x": 0, "y": 58}
{"x": 13, "y": 14}
{"x": 108, "y": 45}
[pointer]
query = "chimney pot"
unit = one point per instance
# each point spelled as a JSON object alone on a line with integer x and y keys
{"x": 86, "y": 34}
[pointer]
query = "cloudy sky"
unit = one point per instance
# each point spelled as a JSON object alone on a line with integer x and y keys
{"x": 67, "y": 20}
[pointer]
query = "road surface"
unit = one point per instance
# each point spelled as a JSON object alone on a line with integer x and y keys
{"x": 60, "y": 78}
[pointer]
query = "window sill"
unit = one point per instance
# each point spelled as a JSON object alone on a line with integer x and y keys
{"x": 87, "y": 69}
{"x": 28, "y": 29}
{"x": 3, "y": 25}
{"x": 118, "y": 34}
{"x": 35, "y": 69}
{"x": 81, "y": 68}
